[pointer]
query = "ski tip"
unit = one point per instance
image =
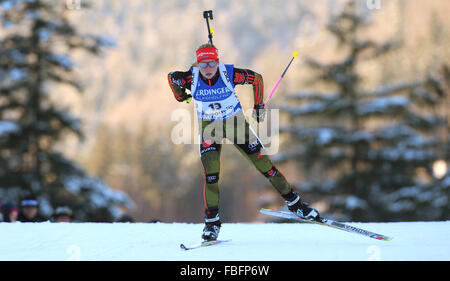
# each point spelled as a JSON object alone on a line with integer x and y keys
{"x": 385, "y": 238}
{"x": 203, "y": 244}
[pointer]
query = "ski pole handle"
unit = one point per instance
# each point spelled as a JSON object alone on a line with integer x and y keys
{"x": 294, "y": 55}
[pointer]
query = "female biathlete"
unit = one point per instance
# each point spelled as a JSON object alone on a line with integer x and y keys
{"x": 212, "y": 86}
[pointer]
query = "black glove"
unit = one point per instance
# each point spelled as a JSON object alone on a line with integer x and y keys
{"x": 259, "y": 113}
{"x": 176, "y": 83}
{"x": 182, "y": 93}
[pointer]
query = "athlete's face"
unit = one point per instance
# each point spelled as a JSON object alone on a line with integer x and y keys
{"x": 207, "y": 70}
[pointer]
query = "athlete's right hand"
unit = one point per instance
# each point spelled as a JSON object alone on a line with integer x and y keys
{"x": 188, "y": 99}
{"x": 259, "y": 112}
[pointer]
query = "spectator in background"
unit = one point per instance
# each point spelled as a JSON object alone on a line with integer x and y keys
{"x": 10, "y": 212}
{"x": 63, "y": 214}
{"x": 125, "y": 218}
{"x": 1, "y": 213}
{"x": 30, "y": 210}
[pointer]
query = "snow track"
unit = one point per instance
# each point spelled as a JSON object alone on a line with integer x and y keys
{"x": 421, "y": 241}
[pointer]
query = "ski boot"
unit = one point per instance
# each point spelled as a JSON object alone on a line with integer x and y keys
{"x": 212, "y": 225}
{"x": 301, "y": 209}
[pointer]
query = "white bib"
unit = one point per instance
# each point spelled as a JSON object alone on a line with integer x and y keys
{"x": 217, "y": 102}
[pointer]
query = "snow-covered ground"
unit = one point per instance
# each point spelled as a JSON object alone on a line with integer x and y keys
{"x": 427, "y": 241}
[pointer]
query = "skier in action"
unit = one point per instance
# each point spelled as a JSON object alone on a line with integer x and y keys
{"x": 212, "y": 86}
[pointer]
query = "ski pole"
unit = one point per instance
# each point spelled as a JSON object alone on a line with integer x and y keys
{"x": 294, "y": 55}
{"x": 208, "y": 15}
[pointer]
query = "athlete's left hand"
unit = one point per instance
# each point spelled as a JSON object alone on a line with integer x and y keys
{"x": 259, "y": 113}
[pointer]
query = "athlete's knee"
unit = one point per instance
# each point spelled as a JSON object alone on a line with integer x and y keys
{"x": 208, "y": 146}
{"x": 251, "y": 148}
{"x": 271, "y": 173}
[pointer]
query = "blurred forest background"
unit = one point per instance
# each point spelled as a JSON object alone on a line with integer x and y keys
{"x": 86, "y": 109}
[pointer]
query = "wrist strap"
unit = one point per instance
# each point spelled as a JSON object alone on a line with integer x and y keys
{"x": 259, "y": 106}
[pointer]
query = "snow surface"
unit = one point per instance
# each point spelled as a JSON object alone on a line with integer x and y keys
{"x": 421, "y": 241}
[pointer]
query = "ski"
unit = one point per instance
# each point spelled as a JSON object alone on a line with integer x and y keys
{"x": 326, "y": 222}
{"x": 203, "y": 244}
